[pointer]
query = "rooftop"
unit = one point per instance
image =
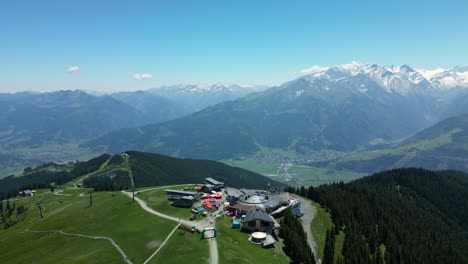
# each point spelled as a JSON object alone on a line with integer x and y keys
{"x": 213, "y": 181}
{"x": 257, "y": 214}
{"x": 179, "y": 192}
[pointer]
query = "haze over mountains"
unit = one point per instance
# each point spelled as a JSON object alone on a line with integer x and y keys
{"x": 41, "y": 127}
{"x": 340, "y": 108}
{"x": 344, "y": 108}
{"x": 441, "y": 146}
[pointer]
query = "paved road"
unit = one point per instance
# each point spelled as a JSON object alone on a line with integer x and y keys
{"x": 309, "y": 212}
{"x": 213, "y": 251}
{"x": 198, "y": 225}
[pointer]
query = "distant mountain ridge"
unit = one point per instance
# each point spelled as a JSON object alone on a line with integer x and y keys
{"x": 396, "y": 78}
{"x": 439, "y": 147}
{"x": 153, "y": 108}
{"x": 343, "y": 108}
{"x": 48, "y": 126}
{"x": 30, "y": 119}
{"x": 198, "y": 97}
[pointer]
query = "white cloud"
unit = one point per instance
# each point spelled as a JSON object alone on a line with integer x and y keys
{"x": 142, "y": 76}
{"x": 73, "y": 69}
{"x": 314, "y": 69}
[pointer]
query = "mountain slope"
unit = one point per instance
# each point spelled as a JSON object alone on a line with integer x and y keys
{"x": 340, "y": 109}
{"x": 34, "y": 120}
{"x": 417, "y": 216}
{"x": 153, "y": 169}
{"x": 153, "y": 107}
{"x": 148, "y": 169}
{"x": 442, "y": 146}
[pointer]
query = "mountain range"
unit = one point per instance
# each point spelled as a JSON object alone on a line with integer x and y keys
{"x": 345, "y": 108}
{"x": 342, "y": 108}
{"x": 198, "y": 97}
{"x": 47, "y": 126}
{"x": 31, "y": 120}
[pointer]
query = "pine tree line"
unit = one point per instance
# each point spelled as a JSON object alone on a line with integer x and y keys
{"x": 112, "y": 181}
{"x": 295, "y": 240}
{"x": 398, "y": 216}
{"x": 11, "y": 214}
{"x": 42, "y": 179}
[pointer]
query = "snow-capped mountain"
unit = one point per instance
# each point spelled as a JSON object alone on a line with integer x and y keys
{"x": 343, "y": 108}
{"x": 236, "y": 89}
{"x": 446, "y": 79}
{"x": 402, "y": 79}
{"x": 396, "y": 79}
{"x": 198, "y": 97}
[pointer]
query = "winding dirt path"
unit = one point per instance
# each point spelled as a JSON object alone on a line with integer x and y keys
{"x": 162, "y": 245}
{"x": 213, "y": 246}
{"x": 124, "y": 256}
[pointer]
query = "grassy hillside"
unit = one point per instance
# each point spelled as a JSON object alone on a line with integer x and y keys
{"x": 112, "y": 229}
{"x": 234, "y": 247}
{"x": 38, "y": 240}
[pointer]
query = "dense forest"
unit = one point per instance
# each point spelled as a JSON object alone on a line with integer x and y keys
{"x": 147, "y": 169}
{"x": 41, "y": 177}
{"x": 295, "y": 240}
{"x": 399, "y": 216}
{"x": 111, "y": 181}
{"x": 152, "y": 169}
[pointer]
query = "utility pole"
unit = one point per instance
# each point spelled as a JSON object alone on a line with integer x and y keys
{"x": 39, "y": 205}
{"x": 133, "y": 193}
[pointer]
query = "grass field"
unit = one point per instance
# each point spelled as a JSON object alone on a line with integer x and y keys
{"x": 319, "y": 226}
{"x": 315, "y": 176}
{"x": 158, "y": 200}
{"x": 134, "y": 230}
{"x": 183, "y": 248}
{"x": 339, "y": 240}
{"x": 28, "y": 247}
{"x": 234, "y": 247}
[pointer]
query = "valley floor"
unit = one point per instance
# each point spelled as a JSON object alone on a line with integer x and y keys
{"x": 295, "y": 174}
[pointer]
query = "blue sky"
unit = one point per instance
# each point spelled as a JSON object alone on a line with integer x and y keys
{"x": 255, "y": 42}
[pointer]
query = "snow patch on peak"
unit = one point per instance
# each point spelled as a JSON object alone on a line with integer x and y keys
{"x": 352, "y": 68}
{"x": 445, "y": 79}
{"x": 315, "y": 69}
{"x": 299, "y": 92}
{"x": 401, "y": 79}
